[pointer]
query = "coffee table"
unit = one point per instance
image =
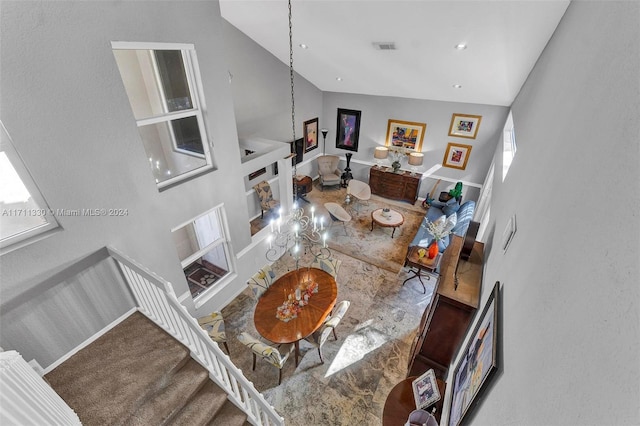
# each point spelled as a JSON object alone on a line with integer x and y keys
{"x": 393, "y": 219}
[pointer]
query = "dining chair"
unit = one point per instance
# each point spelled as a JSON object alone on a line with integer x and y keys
{"x": 261, "y": 281}
{"x": 213, "y": 324}
{"x": 330, "y": 265}
{"x": 267, "y": 202}
{"x": 320, "y": 336}
{"x": 276, "y": 356}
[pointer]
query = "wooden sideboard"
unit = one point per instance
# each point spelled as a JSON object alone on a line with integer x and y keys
{"x": 445, "y": 323}
{"x": 397, "y": 186}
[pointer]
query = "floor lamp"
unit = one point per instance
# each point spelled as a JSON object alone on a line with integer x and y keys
{"x": 324, "y": 140}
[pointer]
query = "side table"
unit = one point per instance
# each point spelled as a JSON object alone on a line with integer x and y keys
{"x": 413, "y": 260}
{"x": 400, "y": 402}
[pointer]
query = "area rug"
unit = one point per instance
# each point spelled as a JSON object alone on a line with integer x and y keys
{"x": 373, "y": 246}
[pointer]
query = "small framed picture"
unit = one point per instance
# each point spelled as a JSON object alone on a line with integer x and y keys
{"x": 456, "y": 156}
{"x": 310, "y": 134}
{"x": 425, "y": 390}
{"x": 464, "y": 125}
{"x": 348, "y": 129}
{"x": 405, "y": 134}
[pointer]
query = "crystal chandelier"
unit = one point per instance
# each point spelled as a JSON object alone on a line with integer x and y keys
{"x": 294, "y": 231}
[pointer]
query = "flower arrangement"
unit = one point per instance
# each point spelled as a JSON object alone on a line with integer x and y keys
{"x": 438, "y": 229}
{"x": 294, "y": 302}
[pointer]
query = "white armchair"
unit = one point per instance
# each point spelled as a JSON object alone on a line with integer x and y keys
{"x": 328, "y": 170}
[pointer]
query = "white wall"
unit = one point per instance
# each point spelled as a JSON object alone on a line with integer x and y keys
{"x": 64, "y": 104}
{"x": 570, "y": 291}
{"x": 376, "y": 112}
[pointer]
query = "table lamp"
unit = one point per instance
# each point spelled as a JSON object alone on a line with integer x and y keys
{"x": 380, "y": 154}
{"x": 415, "y": 161}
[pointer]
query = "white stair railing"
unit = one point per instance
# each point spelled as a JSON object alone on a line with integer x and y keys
{"x": 156, "y": 300}
{"x": 26, "y": 399}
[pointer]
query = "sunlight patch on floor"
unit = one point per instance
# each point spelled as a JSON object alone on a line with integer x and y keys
{"x": 355, "y": 347}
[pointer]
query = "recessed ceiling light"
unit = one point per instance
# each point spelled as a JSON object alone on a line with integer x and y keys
{"x": 338, "y": 78}
{"x": 457, "y": 86}
{"x": 460, "y": 46}
{"x": 304, "y": 46}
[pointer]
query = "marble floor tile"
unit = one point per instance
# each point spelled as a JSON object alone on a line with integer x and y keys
{"x": 361, "y": 367}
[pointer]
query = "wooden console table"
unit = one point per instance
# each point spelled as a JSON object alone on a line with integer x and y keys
{"x": 445, "y": 322}
{"x": 397, "y": 186}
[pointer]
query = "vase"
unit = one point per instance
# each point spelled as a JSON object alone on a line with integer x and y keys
{"x": 396, "y": 166}
{"x": 433, "y": 249}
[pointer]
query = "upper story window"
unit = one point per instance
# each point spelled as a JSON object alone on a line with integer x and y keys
{"x": 508, "y": 145}
{"x": 203, "y": 249}
{"x": 24, "y": 214}
{"x": 164, "y": 89}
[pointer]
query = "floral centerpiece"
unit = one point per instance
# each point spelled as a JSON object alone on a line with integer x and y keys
{"x": 294, "y": 302}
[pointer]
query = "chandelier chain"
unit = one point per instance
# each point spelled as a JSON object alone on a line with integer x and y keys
{"x": 293, "y": 104}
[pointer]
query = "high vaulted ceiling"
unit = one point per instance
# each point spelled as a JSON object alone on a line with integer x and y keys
{"x": 503, "y": 41}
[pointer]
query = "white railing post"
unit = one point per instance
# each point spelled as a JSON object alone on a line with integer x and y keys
{"x": 156, "y": 300}
{"x": 26, "y": 399}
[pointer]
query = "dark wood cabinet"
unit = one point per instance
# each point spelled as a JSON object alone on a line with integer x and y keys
{"x": 397, "y": 186}
{"x": 445, "y": 323}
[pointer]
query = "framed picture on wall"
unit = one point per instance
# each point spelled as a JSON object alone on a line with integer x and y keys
{"x": 405, "y": 134}
{"x": 464, "y": 125}
{"x": 310, "y": 134}
{"x": 478, "y": 361}
{"x": 348, "y": 126}
{"x": 297, "y": 149}
{"x": 456, "y": 156}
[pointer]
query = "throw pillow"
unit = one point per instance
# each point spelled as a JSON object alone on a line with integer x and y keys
{"x": 451, "y": 207}
{"x": 451, "y": 222}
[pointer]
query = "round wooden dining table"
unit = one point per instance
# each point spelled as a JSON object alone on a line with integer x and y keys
{"x": 311, "y": 316}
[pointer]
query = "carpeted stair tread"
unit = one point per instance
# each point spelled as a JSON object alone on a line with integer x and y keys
{"x": 202, "y": 407}
{"x": 172, "y": 397}
{"x": 229, "y": 415}
{"x": 109, "y": 379}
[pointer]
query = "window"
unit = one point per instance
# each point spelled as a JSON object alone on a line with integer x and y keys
{"x": 509, "y": 145}
{"x": 24, "y": 213}
{"x": 203, "y": 249}
{"x": 163, "y": 85}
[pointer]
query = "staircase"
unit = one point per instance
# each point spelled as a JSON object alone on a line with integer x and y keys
{"x": 137, "y": 374}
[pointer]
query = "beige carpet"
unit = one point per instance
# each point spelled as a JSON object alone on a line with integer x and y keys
{"x": 375, "y": 247}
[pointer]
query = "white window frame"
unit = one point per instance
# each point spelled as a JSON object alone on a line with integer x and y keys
{"x": 223, "y": 241}
{"x": 194, "y": 80}
{"x": 33, "y": 234}
{"x": 508, "y": 145}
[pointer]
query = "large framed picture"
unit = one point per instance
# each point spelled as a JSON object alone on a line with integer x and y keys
{"x": 425, "y": 390}
{"x": 348, "y": 129}
{"x": 478, "y": 361}
{"x": 464, "y": 125}
{"x": 405, "y": 134}
{"x": 456, "y": 156}
{"x": 310, "y": 134}
{"x": 297, "y": 149}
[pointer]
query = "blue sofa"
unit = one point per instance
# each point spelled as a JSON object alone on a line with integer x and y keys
{"x": 464, "y": 215}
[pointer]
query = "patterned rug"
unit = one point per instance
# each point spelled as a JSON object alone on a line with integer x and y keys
{"x": 376, "y": 247}
{"x": 369, "y": 358}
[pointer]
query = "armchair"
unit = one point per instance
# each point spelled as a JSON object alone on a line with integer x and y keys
{"x": 266, "y": 197}
{"x": 328, "y": 170}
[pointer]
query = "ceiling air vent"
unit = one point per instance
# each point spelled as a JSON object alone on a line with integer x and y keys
{"x": 384, "y": 45}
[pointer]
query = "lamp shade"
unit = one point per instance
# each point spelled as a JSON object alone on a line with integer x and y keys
{"x": 381, "y": 152}
{"x": 416, "y": 158}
